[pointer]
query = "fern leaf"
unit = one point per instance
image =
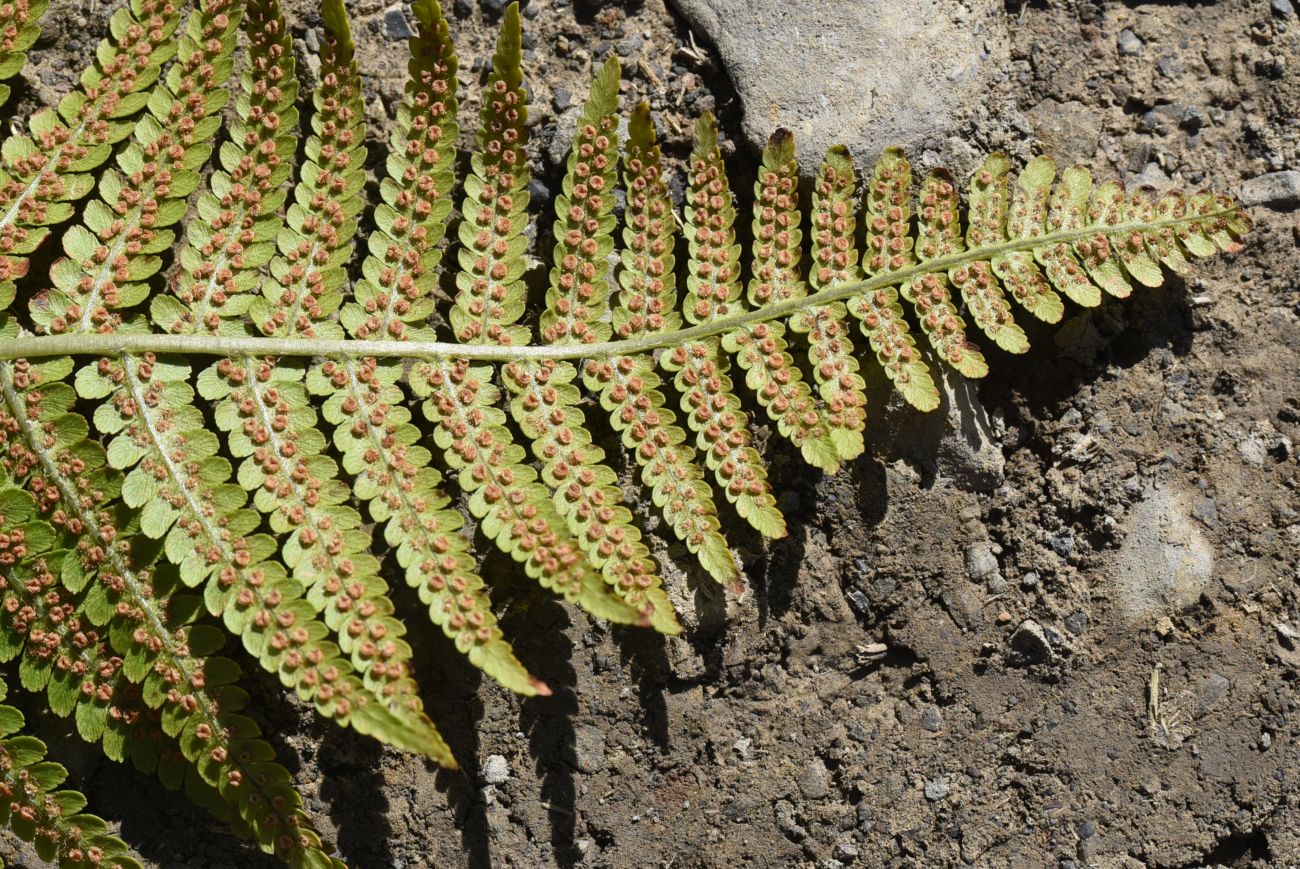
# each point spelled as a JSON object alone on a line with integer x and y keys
{"x": 149, "y": 628}
{"x": 834, "y": 260}
{"x": 490, "y": 290}
{"x": 373, "y": 431}
{"x": 19, "y": 28}
{"x": 272, "y": 425}
{"x": 888, "y": 249}
{"x": 52, "y": 820}
{"x": 545, "y": 401}
{"x": 761, "y": 349}
{"x": 515, "y": 509}
{"x": 44, "y": 173}
{"x": 712, "y": 408}
{"x": 938, "y": 235}
{"x": 629, "y": 386}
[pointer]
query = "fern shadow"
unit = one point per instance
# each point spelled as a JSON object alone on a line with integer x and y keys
{"x": 352, "y": 787}
{"x": 538, "y": 625}
{"x": 449, "y": 690}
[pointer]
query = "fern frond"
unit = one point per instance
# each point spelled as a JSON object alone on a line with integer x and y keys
{"x": 272, "y": 426}
{"x": 44, "y": 173}
{"x": 629, "y": 386}
{"x": 713, "y": 287}
{"x": 545, "y": 401}
{"x": 19, "y": 28}
{"x": 760, "y": 349}
{"x": 52, "y": 820}
{"x": 373, "y": 432}
{"x": 150, "y": 628}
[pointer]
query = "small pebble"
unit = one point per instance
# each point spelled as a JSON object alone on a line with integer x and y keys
{"x": 396, "y": 27}
{"x": 936, "y": 789}
{"x": 496, "y": 770}
{"x": 1129, "y": 44}
{"x": 931, "y": 719}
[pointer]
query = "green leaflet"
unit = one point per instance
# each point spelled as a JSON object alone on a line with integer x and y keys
{"x": 38, "y": 813}
{"x": 713, "y": 286}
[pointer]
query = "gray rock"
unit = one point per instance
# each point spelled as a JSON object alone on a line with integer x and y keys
{"x": 968, "y": 453}
{"x": 936, "y": 789}
{"x": 1030, "y": 644}
{"x": 396, "y": 27}
{"x": 587, "y": 754}
{"x": 1283, "y": 9}
{"x": 1211, "y": 691}
{"x": 787, "y": 822}
{"x": 1165, "y": 562}
{"x": 981, "y": 563}
{"x": 496, "y": 771}
{"x": 846, "y": 851}
{"x": 814, "y": 781}
{"x": 931, "y": 719}
{"x": 863, "y": 73}
{"x": 1129, "y": 44}
{"x": 1279, "y": 190}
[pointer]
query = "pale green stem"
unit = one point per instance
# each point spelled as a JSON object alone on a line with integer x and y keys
{"x": 116, "y": 343}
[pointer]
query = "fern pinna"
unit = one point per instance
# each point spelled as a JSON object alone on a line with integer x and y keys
{"x": 252, "y": 455}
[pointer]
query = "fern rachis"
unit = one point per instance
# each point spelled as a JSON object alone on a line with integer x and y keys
{"x": 143, "y": 528}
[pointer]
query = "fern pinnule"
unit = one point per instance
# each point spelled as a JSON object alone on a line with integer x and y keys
{"x": 629, "y": 386}
{"x": 44, "y": 173}
{"x": 515, "y": 510}
{"x": 489, "y": 284}
{"x": 984, "y": 297}
{"x": 938, "y": 234}
{"x": 52, "y": 820}
{"x": 67, "y": 657}
{"x": 239, "y": 212}
{"x": 1025, "y": 218}
{"x": 830, "y": 347}
{"x": 889, "y": 249}
{"x": 713, "y": 287}
{"x": 760, "y": 348}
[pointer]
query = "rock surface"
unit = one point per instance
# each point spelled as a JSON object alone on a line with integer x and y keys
{"x": 1276, "y": 189}
{"x": 863, "y": 73}
{"x": 1165, "y": 561}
